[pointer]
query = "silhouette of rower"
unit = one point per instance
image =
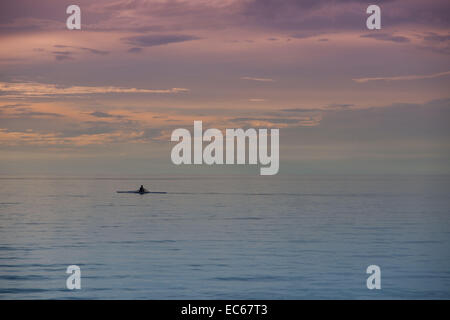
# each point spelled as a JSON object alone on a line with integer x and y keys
{"x": 142, "y": 189}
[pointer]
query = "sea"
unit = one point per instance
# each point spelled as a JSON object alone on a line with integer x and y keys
{"x": 225, "y": 237}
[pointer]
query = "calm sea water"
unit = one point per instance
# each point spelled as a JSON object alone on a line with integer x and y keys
{"x": 226, "y": 237}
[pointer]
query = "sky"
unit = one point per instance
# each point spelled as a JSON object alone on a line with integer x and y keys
{"x": 104, "y": 99}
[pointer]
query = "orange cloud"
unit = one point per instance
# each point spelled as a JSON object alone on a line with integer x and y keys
{"x": 258, "y": 79}
{"x": 35, "y": 89}
{"x": 398, "y": 78}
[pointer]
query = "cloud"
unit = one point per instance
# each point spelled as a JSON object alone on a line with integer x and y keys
{"x": 88, "y": 128}
{"x": 135, "y": 50}
{"x": 23, "y": 111}
{"x": 301, "y": 110}
{"x": 399, "y": 78}
{"x": 8, "y": 137}
{"x": 330, "y": 107}
{"x": 432, "y": 36}
{"x": 62, "y": 55}
{"x": 75, "y": 139}
{"x": 91, "y": 50}
{"x": 158, "y": 40}
{"x": 34, "y": 89}
{"x": 256, "y": 100}
{"x": 339, "y": 105}
{"x": 271, "y": 120}
{"x": 439, "y": 43}
{"x": 164, "y": 16}
{"x": 259, "y": 122}
{"x": 258, "y": 79}
{"x": 69, "y": 131}
{"x": 308, "y": 34}
{"x": 27, "y": 114}
{"x": 13, "y": 106}
{"x": 406, "y": 127}
{"x": 400, "y": 121}
{"x": 386, "y": 37}
{"x": 397, "y": 138}
{"x": 22, "y": 25}
{"x": 95, "y": 51}
{"x": 100, "y": 114}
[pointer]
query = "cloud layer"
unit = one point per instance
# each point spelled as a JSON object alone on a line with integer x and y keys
{"x": 140, "y": 68}
{"x": 34, "y": 89}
